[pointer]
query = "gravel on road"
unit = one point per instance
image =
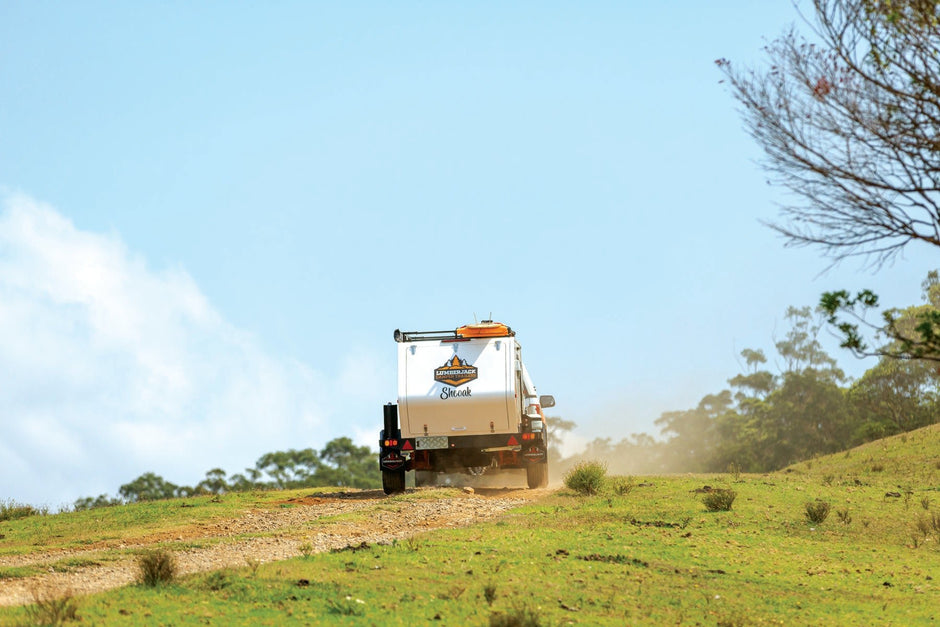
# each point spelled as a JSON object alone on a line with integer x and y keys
{"x": 259, "y": 536}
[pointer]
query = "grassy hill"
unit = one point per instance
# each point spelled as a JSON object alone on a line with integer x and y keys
{"x": 910, "y": 459}
{"x": 645, "y": 551}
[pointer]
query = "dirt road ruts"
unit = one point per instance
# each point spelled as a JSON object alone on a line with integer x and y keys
{"x": 272, "y": 534}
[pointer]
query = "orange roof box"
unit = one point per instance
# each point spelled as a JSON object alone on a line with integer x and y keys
{"x": 487, "y": 328}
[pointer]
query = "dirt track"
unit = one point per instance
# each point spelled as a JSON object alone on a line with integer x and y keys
{"x": 272, "y": 535}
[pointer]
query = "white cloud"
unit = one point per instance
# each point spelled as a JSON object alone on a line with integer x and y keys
{"x": 109, "y": 369}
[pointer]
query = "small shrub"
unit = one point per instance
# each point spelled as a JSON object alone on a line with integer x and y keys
{"x": 489, "y": 593}
{"x": 719, "y": 500}
{"x": 621, "y": 486}
{"x": 453, "y": 593}
{"x": 735, "y": 471}
{"x": 253, "y": 564}
{"x": 733, "y": 620}
{"x": 923, "y": 526}
{"x": 517, "y": 617}
{"x": 217, "y": 580}
{"x": 844, "y": 516}
{"x": 11, "y": 510}
{"x": 827, "y": 480}
{"x": 877, "y": 467}
{"x": 346, "y": 607}
{"x": 48, "y": 609}
{"x": 817, "y": 511}
{"x": 586, "y": 478}
{"x": 925, "y": 502}
{"x": 157, "y": 567}
{"x": 306, "y": 549}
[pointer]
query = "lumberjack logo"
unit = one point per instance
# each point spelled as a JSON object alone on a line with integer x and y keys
{"x": 455, "y": 371}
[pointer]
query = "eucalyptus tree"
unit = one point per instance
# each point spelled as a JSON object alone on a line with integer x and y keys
{"x": 848, "y": 117}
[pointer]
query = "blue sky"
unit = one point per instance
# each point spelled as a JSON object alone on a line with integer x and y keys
{"x": 213, "y": 216}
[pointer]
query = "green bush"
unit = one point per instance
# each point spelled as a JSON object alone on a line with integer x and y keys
{"x": 517, "y": 617}
{"x": 719, "y": 500}
{"x": 51, "y": 609}
{"x": 845, "y": 517}
{"x": 157, "y": 567}
{"x": 216, "y": 580}
{"x": 621, "y": 486}
{"x": 817, "y": 511}
{"x": 489, "y": 593}
{"x": 347, "y": 606}
{"x": 11, "y": 510}
{"x": 586, "y": 477}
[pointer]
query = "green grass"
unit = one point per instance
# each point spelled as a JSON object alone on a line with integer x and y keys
{"x": 110, "y": 527}
{"x": 649, "y": 556}
{"x": 910, "y": 459}
{"x": 17, "y": 572}
{"x": 11, "y": 510}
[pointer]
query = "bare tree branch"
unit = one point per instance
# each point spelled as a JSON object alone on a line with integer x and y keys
{"x": 850, "y": 124}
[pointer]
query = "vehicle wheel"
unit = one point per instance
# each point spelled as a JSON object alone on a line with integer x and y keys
{"x": 537, "y": 475}
{"x": 393, "y": 481}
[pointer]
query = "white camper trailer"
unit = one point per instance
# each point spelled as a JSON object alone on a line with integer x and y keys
{"x": 466, "y": 404}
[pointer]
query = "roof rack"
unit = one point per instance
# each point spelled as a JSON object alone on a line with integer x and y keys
{"x": 416, "y": 336}
{"x": 485, "y": 329}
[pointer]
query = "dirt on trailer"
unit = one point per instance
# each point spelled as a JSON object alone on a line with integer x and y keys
{"x": 261, "y": 535}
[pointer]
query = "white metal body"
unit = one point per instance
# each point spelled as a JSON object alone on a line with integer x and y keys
{"x": 496, "y": 391}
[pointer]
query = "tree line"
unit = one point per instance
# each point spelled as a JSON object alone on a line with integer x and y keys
{"x": 848, "y": 117}
{"x": 339, "y": 463}
{"x": 768, "y": 418}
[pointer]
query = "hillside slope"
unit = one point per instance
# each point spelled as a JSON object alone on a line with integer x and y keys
{"x": 645, "y": 551}
{"x": 909, "y": 459}
{"x": 92, "y": 551}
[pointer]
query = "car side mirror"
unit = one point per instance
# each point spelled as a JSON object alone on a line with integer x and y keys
{"x": 547, "y": 401}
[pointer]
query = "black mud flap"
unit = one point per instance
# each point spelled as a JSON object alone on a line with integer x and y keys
{"x": 534, "y": 454}
{"x": 392, "y": 460}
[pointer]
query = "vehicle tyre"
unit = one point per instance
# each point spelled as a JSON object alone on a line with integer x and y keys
{"x": 393, "y": 481}
{"x": 536, "y": 475}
